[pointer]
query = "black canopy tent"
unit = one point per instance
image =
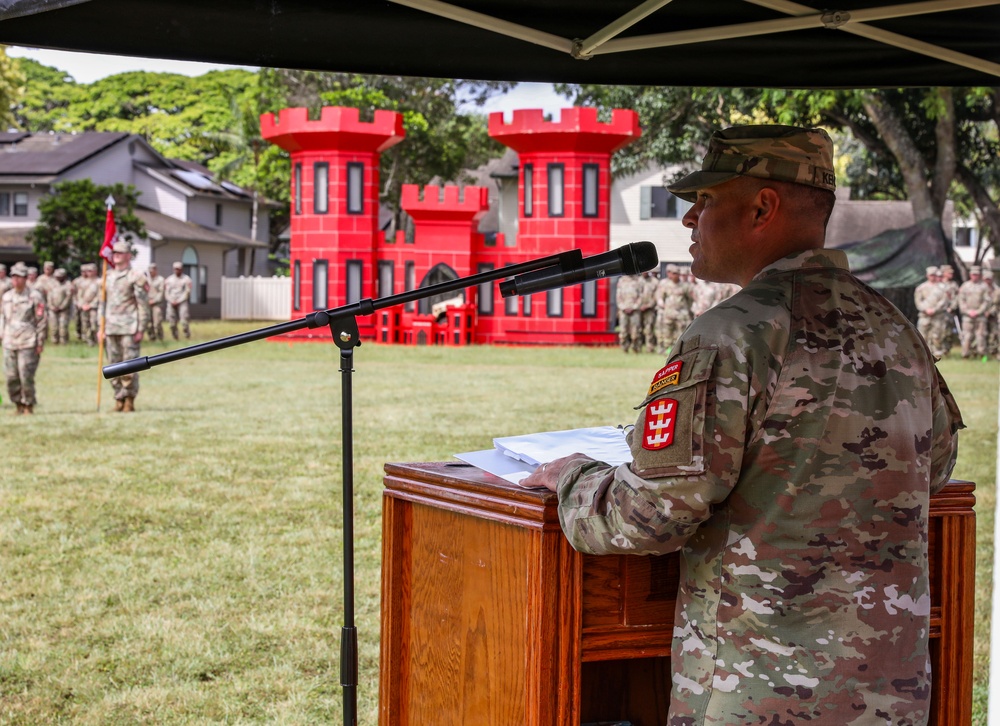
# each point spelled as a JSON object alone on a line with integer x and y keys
{"x": 752, "y": 43}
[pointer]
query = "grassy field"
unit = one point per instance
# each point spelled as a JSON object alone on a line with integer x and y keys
{"x": 183, "y": 564}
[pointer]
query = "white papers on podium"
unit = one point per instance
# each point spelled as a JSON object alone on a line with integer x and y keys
{"x": 514, "y": 457}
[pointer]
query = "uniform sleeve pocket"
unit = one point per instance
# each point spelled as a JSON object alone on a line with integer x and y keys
{"x": 668, "y": 439}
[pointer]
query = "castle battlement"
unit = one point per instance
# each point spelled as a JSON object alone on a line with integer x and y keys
{"x": 450, "y": 202}
{"x": 337, "y": 128}
{"x": 577, "y": 129}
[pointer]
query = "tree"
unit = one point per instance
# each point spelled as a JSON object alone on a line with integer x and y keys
{"x": 70, "y": 228}
{"x": 11, "y": 87}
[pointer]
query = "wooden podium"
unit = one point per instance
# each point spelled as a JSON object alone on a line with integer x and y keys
{"x": 489, "y": 617}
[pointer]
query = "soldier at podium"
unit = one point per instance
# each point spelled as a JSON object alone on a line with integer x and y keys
{"x": 787, "y": 450}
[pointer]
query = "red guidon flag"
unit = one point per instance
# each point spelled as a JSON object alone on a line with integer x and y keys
{"x": 110, "y": 230}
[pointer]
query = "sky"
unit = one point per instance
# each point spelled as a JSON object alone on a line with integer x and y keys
{"x": 89, "y": 67}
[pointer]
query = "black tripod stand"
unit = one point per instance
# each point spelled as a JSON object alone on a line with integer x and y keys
{"x": 343, "y": 325}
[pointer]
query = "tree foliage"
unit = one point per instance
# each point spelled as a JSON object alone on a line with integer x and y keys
{"x": 71, "y": 222}
{"x": 11, "y": 87}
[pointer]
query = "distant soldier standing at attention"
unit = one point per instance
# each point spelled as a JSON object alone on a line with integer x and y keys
{"x": 974, "y": 301}
{"x": 88, "y": 292}
{"x": 673, "y": 308}
{"x": 931, "y": 301}
{"x": 126, "y": 315}
{"x": 156, "y": 299}
{"x": 627, "y": 297}
{"x": 177, "y": 290}
{"x": 23, "y": 325}
{"x": 647, "y": 306}
{"x": 5, "y": 281}
{"x": 60, "y": 299}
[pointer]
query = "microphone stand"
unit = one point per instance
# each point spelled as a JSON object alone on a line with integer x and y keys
{"x": 343, "y": 325}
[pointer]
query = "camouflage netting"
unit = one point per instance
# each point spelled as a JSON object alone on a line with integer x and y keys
{"x": 896, "y": 261}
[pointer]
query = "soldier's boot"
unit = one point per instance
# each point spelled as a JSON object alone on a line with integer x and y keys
{"x": 20, "y": 409}
{"x": 129, "y": 405}
{"x": 119, "y": 404}
{"x": 173, "y": 332}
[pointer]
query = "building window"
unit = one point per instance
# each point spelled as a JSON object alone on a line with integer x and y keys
{"x": 4, "y": 204}
{"x": 964, "y": 236}
{"x": 386, "y": 275}
{"x": 557, "y": 206}
{"x": 218, "y": 215}
{"x": 20, "y": 204}
{"x": 190, "y": 267}
{"x": 321, "y": 276}
{"x": 510, "y": 304}
{"x": 588, "y": 299}
{"x": 529, "y": 190}
{"x": 321, "y": 188}
{"x": 297, "y": 285}
{"x": 591, "y": 177}
{"x": 485, "y": 291}
{"x": 526, "y": 305}
{"x": 410, "y": 281}
{"x": 658, "y": 203}
{"x": 355, "y": 268}
{"x": 554, "y": 303}
{"x": 298, "y": 188}
{"x": 355, "y": 188}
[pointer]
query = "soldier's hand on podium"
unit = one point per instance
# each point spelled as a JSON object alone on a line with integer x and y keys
{"x": 547, "y": 475}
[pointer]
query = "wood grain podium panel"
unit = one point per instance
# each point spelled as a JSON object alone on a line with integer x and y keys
{"x": 490, "y": 617}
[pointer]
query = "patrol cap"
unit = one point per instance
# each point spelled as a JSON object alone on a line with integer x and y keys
{"x": 933, "y": 271}
{"x": 19, "y": 269}
{"x": 947, "y": 268}
{"x": 673, "y": 268}
{"x": 975, "y": 270}
{"x": 48, "y": 265}
{"x": 782, "y": 153}
{"x": 122, "y": 246}
{"x": 178, "y": 265}
{"x": 60, "y": 272}
{"x": 3, "y": 267}
{"x": 152, "y": 265}
{"x": 32, "y": 270}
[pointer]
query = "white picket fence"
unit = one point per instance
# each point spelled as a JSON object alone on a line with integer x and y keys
{"x": 256, "y": 298}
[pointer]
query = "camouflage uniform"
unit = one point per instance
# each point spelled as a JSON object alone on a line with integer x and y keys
{"x": 931, "y": 301}
{"x": 5, "y": 282}
{"x": 156, "y": 301}
{"x": 177, "y": 290}
{"x": 126, "y": 313}
{"x": 60, "y": 299}
{"x": 952, "y": 324}
{"x": 627, "y": 298}
{"x": 787, "y": 450}
{"x": 647, "y": 305}
{"x": 974, "y": 301}
{"x": 673, "y": 311}
{"x": 88, "y": 290}
{"x": 23, "y": 326}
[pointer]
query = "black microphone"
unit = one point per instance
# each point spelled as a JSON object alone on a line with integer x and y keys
{"x": 631, "y": 259}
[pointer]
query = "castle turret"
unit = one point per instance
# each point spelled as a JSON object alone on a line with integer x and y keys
{"x": 565, "y": 186}
{"x": 335, "y": 201}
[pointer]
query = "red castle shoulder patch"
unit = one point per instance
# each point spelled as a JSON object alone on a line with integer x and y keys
{"x": 658, "y": 430}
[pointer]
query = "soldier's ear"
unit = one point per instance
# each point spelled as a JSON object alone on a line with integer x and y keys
{"x": 765, "y": 206}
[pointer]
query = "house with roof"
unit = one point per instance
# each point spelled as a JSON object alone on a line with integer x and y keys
{"x": 189, "y": 217}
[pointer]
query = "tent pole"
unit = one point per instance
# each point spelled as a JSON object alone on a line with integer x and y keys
{"x": 993, "y": 703}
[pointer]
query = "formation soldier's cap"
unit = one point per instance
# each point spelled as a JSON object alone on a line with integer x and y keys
{"x": 947, "y": 268}
{"x": 122, "y": 246}
{"x": 178, "y": 266}
{"x": 673, "y": 268}
{"x": 3, "y": 267}
{"x": 19, "y": 269}
{"x": 933, "y": 271}
{"x": 152, "y": 265}
{"x": 60, "y": 272}
{"x": 48, "y": 265}
{"x": 782, "y": 153}
{"x": 975, "y": 270}
{"x": 32, "y": 270}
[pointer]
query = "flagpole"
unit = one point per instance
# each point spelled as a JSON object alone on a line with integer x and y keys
{"x": 102, "y": 306}
{"x": 110, "y": 230}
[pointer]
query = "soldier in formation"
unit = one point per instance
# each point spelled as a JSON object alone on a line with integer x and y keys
{"x": 647, "y": 304}
{"x": 155, "y": 282}
{"x": 673, "y": 308}
{"x": 23, "y": 325}
{"x": 5, "y": 281}
{"x": 177, "y": 290}
{"x": 975, "y": 298}
{"x": 126, "y": 316}
{"x": 627, "y": 299}
{"x": 932, "y": 303}
{"x": 59, "y": 304}
{"x": 87, "y": 294}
